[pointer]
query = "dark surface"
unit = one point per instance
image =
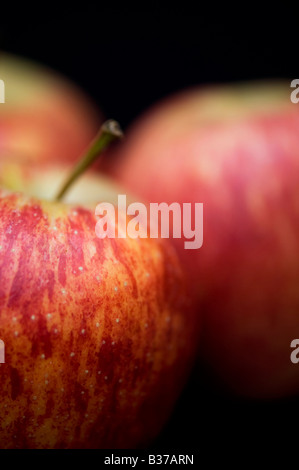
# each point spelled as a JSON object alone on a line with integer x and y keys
{"x": 127, "y": 61}
{"x": 209, "y": 419}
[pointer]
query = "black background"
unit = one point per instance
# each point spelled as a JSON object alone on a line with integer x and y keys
{"x": 127, "y": 60}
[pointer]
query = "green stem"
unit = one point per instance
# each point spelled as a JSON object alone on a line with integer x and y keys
{"x": 110, "y": 131}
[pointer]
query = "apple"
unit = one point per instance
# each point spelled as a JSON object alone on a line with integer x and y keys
{"x": 234, "y": 148}
{"x": 45, "y": 116}
{"x": 99, "y": 334}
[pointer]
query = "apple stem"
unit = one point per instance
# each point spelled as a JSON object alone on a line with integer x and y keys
{"x": 109, "y": 131}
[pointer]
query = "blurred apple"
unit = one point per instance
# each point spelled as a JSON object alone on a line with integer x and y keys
{"x": 45, "y": 116}
{"x": 99, "y": 334}
{"x": 235, "y": 149}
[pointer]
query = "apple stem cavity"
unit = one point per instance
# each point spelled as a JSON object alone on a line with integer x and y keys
{"x": 109, "y": 132}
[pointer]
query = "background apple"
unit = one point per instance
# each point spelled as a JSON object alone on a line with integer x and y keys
{"x": 99, "y": 334}
{"x": 45, "y": 116}
{"x": 236, "y": 149}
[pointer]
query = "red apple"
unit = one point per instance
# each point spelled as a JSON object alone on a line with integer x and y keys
{"x": 99, "y": 334}
{"x": 45, "y": 116}
{"x": 236, "y": 150}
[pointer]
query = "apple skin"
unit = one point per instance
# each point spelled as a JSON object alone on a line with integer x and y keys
{"x": 45, "y": 117}
{"x": 235, "y": 149}
{"x": 99, "y": 334}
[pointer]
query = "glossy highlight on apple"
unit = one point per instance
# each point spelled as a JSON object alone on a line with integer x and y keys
{"x": 151, "y": 221}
